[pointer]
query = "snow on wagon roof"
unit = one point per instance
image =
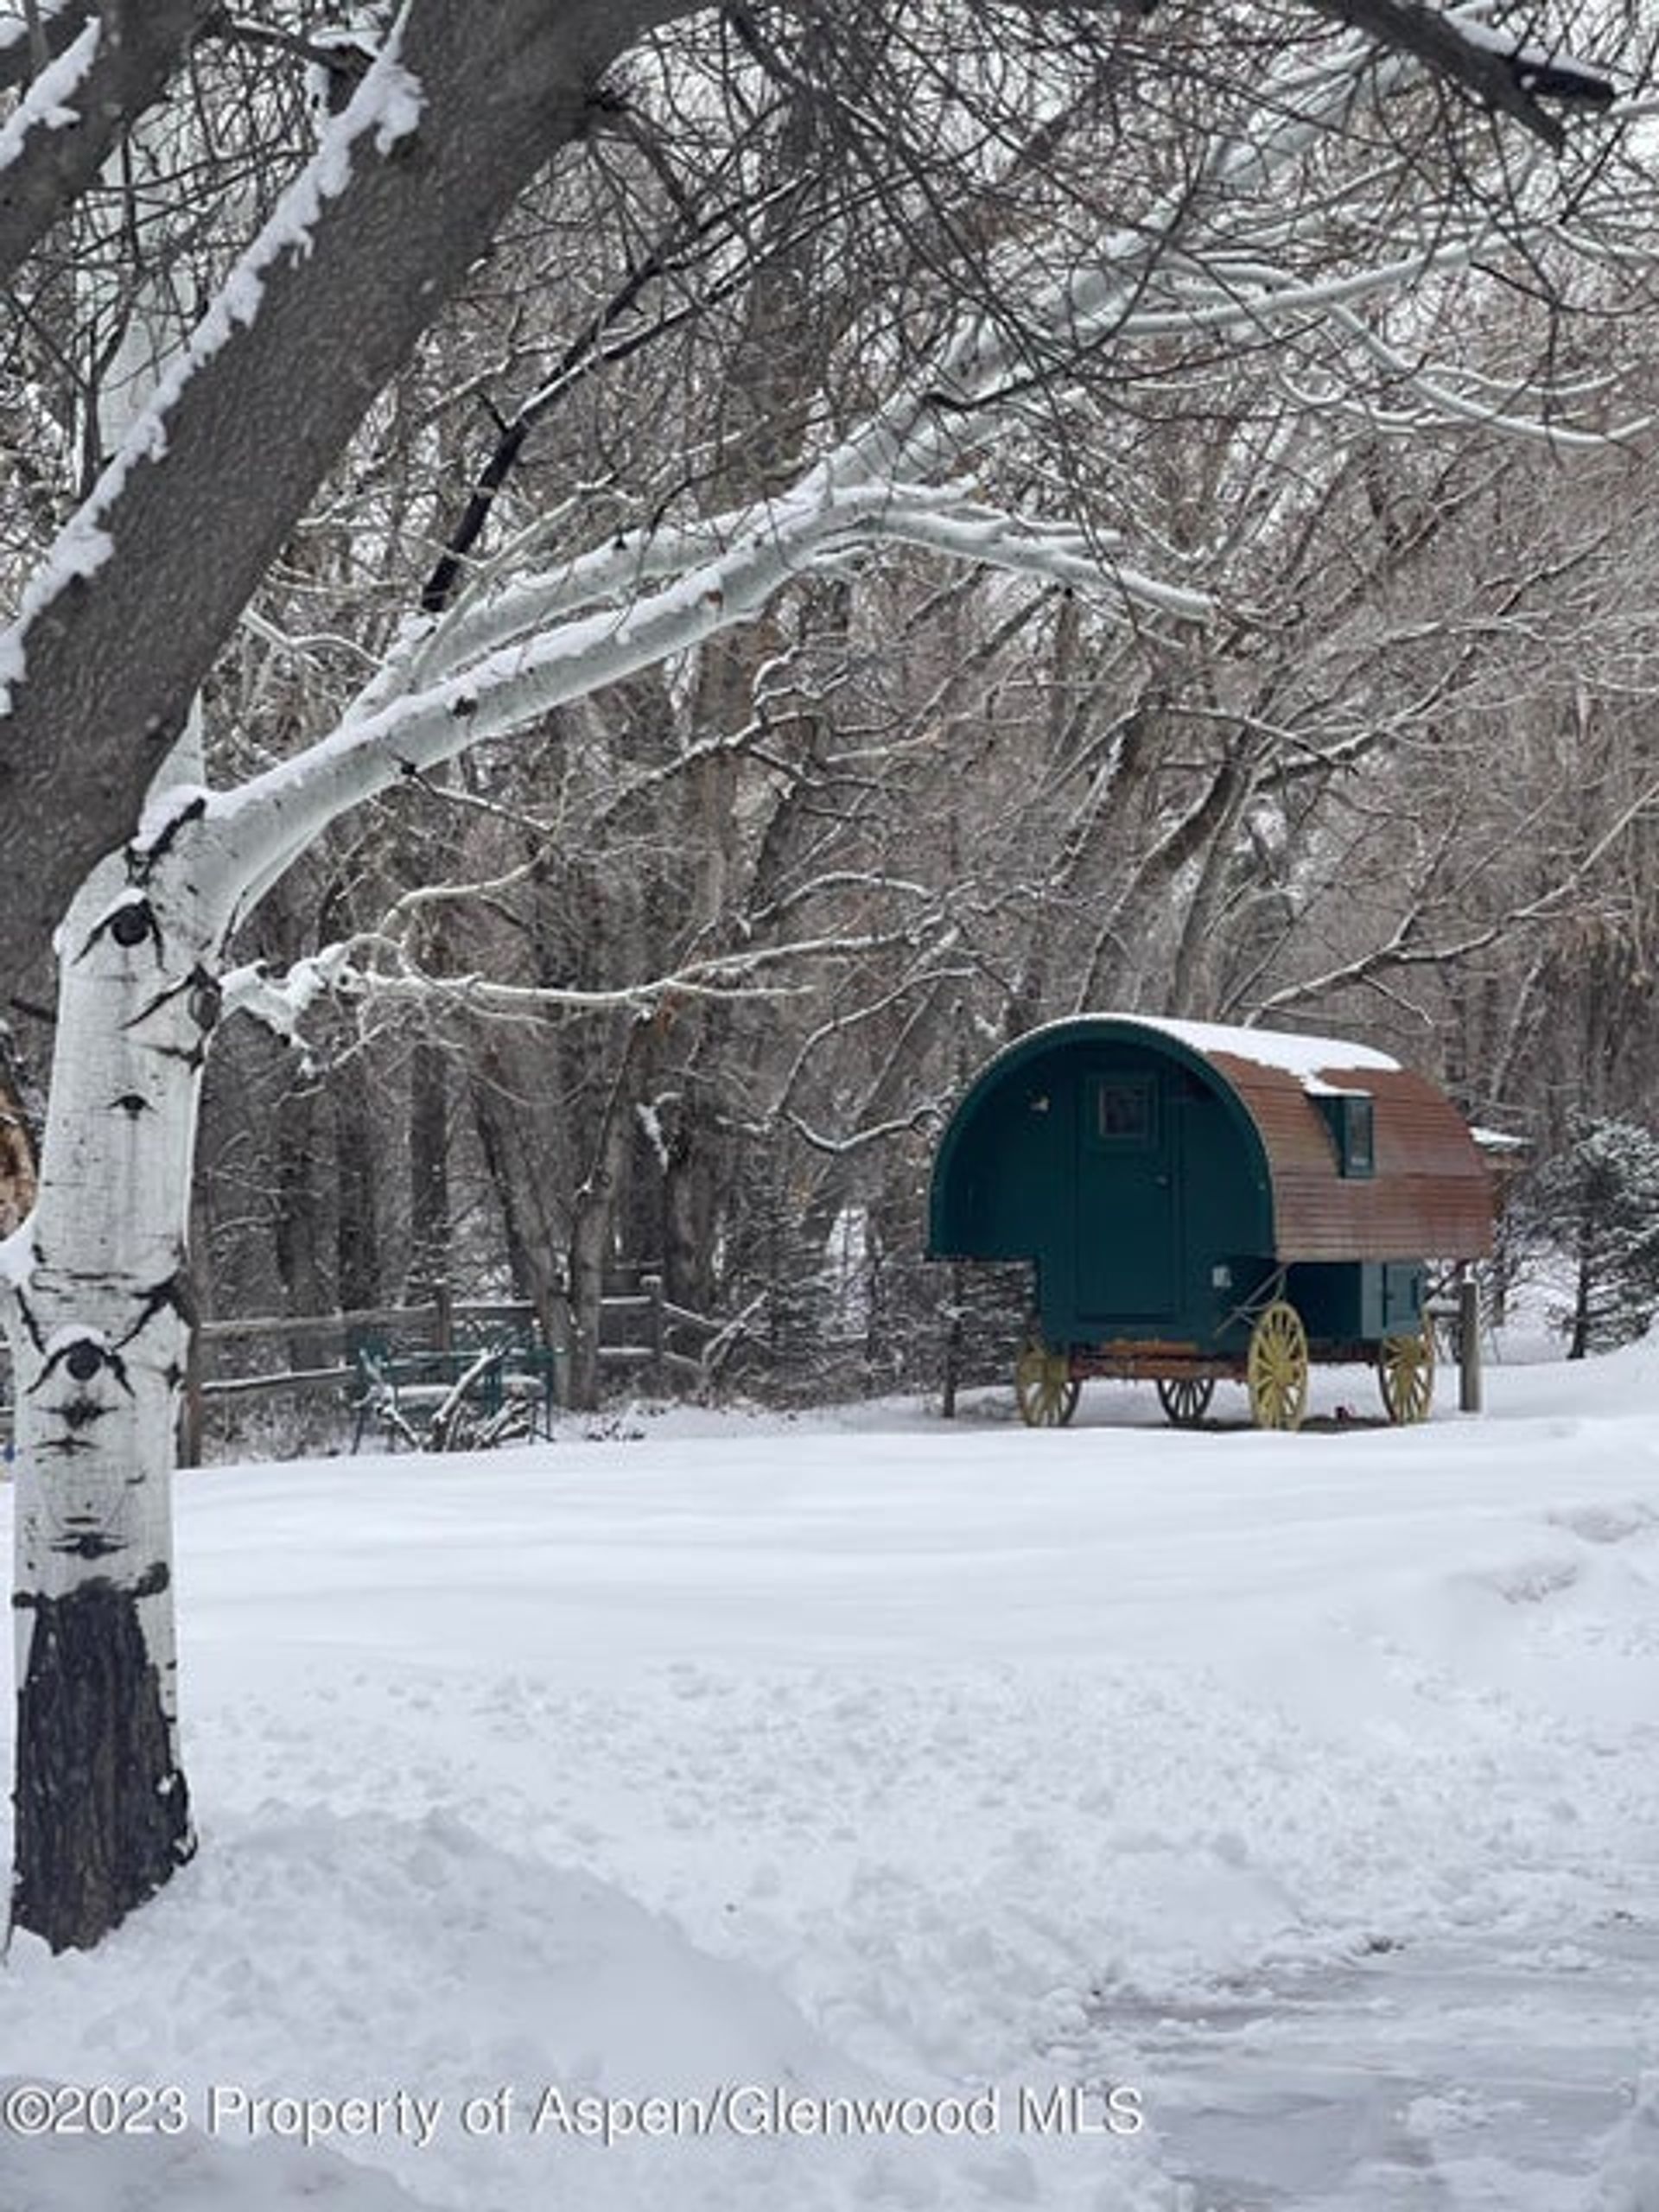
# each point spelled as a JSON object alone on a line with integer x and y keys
{"x": 1268, "y": 1048}
{"x": 1306, "y": 1058}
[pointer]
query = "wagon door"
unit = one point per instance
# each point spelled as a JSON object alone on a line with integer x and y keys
{"x": 1127, "y": 1196}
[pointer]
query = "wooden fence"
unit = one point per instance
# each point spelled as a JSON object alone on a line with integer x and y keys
{"x": 665, "y": 1345}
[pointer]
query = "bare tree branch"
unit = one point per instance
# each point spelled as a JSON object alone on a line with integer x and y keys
{"x": 94, "y": 87}
{"x": 1512, "y": 75}
{"x": 356, "y": 262}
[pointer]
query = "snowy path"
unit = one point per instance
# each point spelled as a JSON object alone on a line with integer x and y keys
{"x": 1309, "y": 1786}
{"x": 1454, "y": 2074}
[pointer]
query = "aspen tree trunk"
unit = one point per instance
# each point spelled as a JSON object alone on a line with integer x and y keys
{"x": 99, "y": 1318}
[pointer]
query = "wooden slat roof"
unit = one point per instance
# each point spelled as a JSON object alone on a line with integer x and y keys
{"x": 1430, "y": 1195}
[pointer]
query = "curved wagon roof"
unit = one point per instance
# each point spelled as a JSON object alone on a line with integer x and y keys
{"x": 1428, "y": 1192}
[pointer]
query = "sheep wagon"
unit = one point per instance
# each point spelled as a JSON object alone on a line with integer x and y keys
{"x": 1199, "y": 1203}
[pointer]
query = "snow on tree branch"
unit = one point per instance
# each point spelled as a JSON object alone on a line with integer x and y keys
{"x": 48, "y": 103}
{"x": 1147, "y": 280}
{"x": 51, "y": 23}
{"x": 275, "y": 816}
{"x": 261, "y": 420}
{"x": 504, "y": 656}
{"x": 385, "y": 109}
{"x": 1502, "y": 71}
{"x": 949, "y": 518}
{"x": 374, "y": 969}
{"x": 89, "y": 86}
{"x": 1441, "y": 399}
{"x": 882, "y": 1132}
{"x": 281, "y": 1003}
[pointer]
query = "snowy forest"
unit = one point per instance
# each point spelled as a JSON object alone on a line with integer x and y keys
{"x": 1300, "y": 677}
{"x": 1266, "y": 640}
{"x": 607, "y": 599}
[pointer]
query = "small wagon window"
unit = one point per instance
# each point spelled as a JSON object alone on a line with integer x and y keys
{"x": 1359, "y": 1153}
{"x": 1124, "y": 1111}
{"x": 1350, "y": 1116}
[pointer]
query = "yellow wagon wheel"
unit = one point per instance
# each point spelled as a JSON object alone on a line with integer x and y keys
{"x": 1405, "y": 1368}
{"x": 1045, "y": 1388}
{"x": 1186, "y": 1398}
{"x": 1277, "y": 1369}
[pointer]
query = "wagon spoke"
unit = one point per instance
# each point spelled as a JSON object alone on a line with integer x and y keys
{"x": 1277, "y": 1369}
{"x": 1405, "y": 1370}
{"x": 1045, "y": 1388}
{"x": 1186, "y": 1398}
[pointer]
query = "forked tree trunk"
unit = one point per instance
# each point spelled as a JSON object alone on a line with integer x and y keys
{"x": 98, "y": 1312}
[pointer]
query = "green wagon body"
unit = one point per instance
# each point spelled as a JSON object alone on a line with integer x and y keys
{"x": 1166, "y": 1180}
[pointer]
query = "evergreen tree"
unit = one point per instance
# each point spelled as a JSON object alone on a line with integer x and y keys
{"x": 1598, "y": 1201}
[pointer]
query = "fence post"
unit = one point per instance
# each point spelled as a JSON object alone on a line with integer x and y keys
{"x": 656, "y": 1337}
{"x": 952, "y": 1343}
{"x": 190, "y": 1408}
{"x": 1469, "y": 1387}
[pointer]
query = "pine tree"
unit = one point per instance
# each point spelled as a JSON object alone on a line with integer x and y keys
{"x": 1598, "y": 1201}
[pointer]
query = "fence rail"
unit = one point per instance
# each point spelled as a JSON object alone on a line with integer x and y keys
{"x": 641, "y": 1330}
{"x": 907, "y": 1324}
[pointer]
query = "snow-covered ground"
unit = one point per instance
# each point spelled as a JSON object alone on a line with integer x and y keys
{"x": 1303, "y": 1792}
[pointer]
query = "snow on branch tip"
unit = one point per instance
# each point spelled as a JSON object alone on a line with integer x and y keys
{"x": 1511, "y": 72}
{"x": 1504, "y": 70}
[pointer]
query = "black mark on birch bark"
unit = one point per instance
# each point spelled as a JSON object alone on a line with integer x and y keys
{"x": 133, "y": 923}
{"x": 143, "y": 862}
{"x": 175, "y": 1295}
{"x": 102, "y": 1814}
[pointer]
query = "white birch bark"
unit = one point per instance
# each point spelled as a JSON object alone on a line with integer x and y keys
{"x": 99, "y": 1318}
